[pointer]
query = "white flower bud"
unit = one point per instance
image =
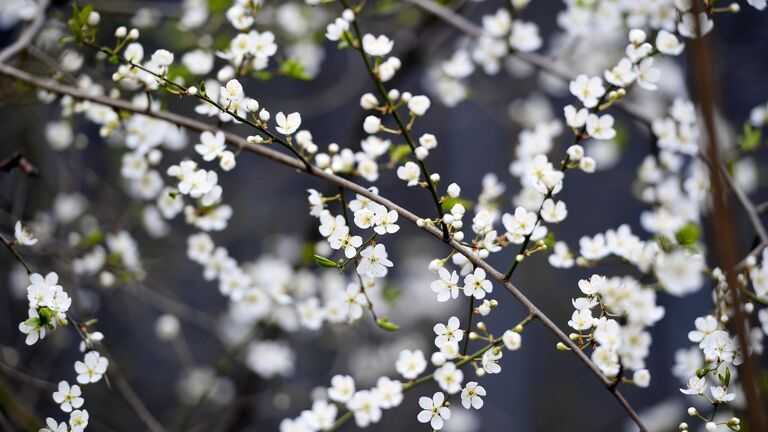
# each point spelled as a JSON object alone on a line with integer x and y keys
{"x": 587, "y": 164}
{"x": 167, "y": 327}
{"x": 448, "y": 218}
{"x": 435, "y": 177}
{"x": 121, "y": 32}
{"x": 438, "y": 359}
{"x": 692, "y": 411}
{"x": 458, "y": 236}
{"x": 435, "y": 265}
{"x": 406, "y": 96}
{"x": 642, "y": 378}
{"x": 264, "y": 115}
{"x": 133, "y": 34}
{"x": 227, "y": 161}
{"x": 393, "y": 94}
{"x": 154, "y": 156}
{"x": 94, "y": 18}
{"x": 421, "y": 153}
{"x": 372, "y": 124}
{"x": 575, "y": 152}
{"x": 333, "y": 148}
{"x": 192, "y": 91}
{"x": 428, "y": 141}
{"x": 368, "y": 101}
{"x": 454, "y": 190}
{"x": 348, "y": 15}
{"x": 252, "y": 105}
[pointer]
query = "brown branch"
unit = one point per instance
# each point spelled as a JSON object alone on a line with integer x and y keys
{"x": 724, "y": 239}
{"x": 27, "y": 35}
{"x": 18, "y": 160}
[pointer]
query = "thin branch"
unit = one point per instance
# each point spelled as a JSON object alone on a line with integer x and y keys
{"x": 18, "y": 257}
{"x": 27, "y": 35}
{"x": 723, "y": 238}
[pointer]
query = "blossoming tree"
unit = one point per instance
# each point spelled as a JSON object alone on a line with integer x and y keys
{"x": 177, "y": 120}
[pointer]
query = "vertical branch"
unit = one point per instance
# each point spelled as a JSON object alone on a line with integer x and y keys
{"x": 723, "y": 236}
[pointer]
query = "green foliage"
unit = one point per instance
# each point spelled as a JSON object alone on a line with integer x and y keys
{"x": 449, "y": 202}
{"x": 688, "y": 235}
{"x": 751, "y": 139}
{"x": 325, "y": 262}
{"x": 385, "y": 324}
{"x": 293, "y": 69}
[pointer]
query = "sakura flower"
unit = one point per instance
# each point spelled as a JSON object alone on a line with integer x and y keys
{"x": 410, "y": 173}
{"x": 688, "y": 26}
{"x": 68, "y": 397}
{"x": 433, "y": 411}
{"x": 52, "y": 426}
{"x": 288, "y": 125}
{"x": 389, "y": 392}
{"x": 476, "y": 285}
{"x": 448, "y": 333}
{"x": 512, "y": 340}
{"x": 695, "y": 386}
{"x": 321, "y": 416}
{"x": 92, "y": 368}
{"x": 419, "y": 105}
{"x": 211, "y": 145}
{"x": 490, "y": 361}
{"x": 233, "y": 91}
{"x": 377, "y": 46}
{"x": 365, "y": 407}
{"x": 667, "y": 43}
{"x": 704, "y": 327}
{"x": 373, "y": 261}
{"x": 720, "y": 394}
{"x": 23, "y": 235}
{"x": 553, "y": 212}
{"x": 447, "y": 286}
{"x": 587, "y": 89}
{"x": 449, "y": 378}
{"x": 78, "y": 420}
{"x": 410, "y": 364}
{"x": 600, "y": 127}
{"x": 471, "y": 395}
{"x": 525, "y": 36}
{"x": 342, "y": 388}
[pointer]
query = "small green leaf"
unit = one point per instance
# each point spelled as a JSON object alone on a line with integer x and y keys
{"x": 385, "y": 324}
{"x": 293, "y": 69}
{"x": 325, "y": 262}
{"x": 549, "y": 240}
{"x": 398, "y": 153}
{"x": 688, "y": 235}
{"x": 751, "y": 139}
{"x": 449, "y": 202}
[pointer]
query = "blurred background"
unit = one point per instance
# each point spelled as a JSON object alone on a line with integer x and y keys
{"x": 539, "y": 389}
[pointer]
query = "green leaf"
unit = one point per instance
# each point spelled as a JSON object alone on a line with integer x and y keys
{"x": 688, "y": 235}
{"x": 93, "y": 238}
{"x": 385, "y": 324}
{"x": 202, "y": 88}
{"x": 751, "y": 139}
{"x": 549, "y": 240}
{"x": 84, "y": 13}
{"x": 293, "y": 69}
{"x": 399, "y": 152}
{"x": 449, "y": 202}
{"x": 325, "y": 262}
{"x": 262, "y": 75}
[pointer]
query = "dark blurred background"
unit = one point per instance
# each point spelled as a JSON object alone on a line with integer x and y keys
{"x": 539, "y": 389}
